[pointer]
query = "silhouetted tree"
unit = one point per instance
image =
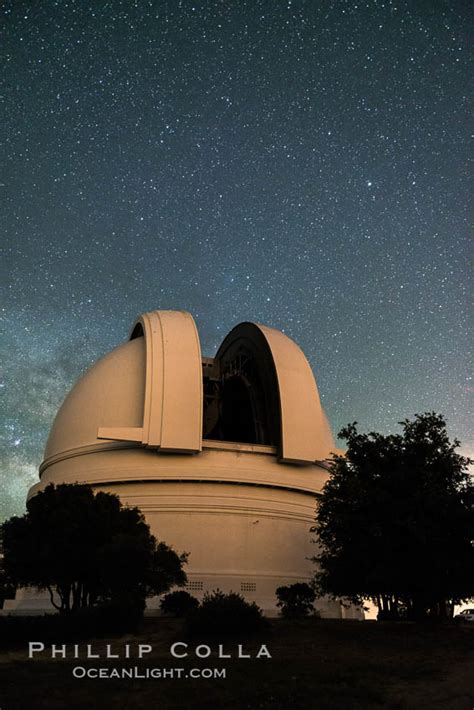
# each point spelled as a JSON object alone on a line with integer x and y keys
{"x": 87, "y": 549}
{"x": 225, "y": 615}
{"x": 179, "y": 603}
{"x": 396, "y": 521}
{"x": 295, "y": 600}
{"x": 7, "y": 588}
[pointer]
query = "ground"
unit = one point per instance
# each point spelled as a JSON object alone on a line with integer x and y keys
{"x": 315, "y": 664}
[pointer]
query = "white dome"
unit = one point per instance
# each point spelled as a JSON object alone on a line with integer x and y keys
{"x": 149, "y": 390}
{"x": 111, "y": 391}
{"x": 224, "y": 456}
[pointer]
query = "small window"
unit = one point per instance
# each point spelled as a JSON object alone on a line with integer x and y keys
{"x": 248, "y": 587}
{"x": 195, "y": 586}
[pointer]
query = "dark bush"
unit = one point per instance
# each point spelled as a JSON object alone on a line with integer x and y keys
{"x": 295, "y": 600}
{"x": 179, "y": 603}
{"x": 225, "y": 614}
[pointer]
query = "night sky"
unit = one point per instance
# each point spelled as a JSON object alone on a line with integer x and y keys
{"x": 303, "y": 164}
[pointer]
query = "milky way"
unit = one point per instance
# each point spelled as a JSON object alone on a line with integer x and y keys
{"x": 301, "y": 164}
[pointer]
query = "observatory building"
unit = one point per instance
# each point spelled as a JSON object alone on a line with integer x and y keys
{"x": 225, "y": 456}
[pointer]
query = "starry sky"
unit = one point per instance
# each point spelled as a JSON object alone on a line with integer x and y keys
{"x": 301, "y": 163}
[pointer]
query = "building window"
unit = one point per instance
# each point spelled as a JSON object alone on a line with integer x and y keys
{"x": 195, "y": 586}
{"x": 248, "y": 587}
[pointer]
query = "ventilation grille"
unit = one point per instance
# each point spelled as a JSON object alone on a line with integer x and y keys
{"x": 195, "y": 586}
{"x": 248, "y": 587}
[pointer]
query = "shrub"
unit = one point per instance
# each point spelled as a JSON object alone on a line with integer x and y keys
{"x": 179, "y": 603}
{"x": 295, "y": 600}
{"x": 225, "y": 614}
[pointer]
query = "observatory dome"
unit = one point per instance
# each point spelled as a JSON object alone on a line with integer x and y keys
{"x": 225, "y": 456}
